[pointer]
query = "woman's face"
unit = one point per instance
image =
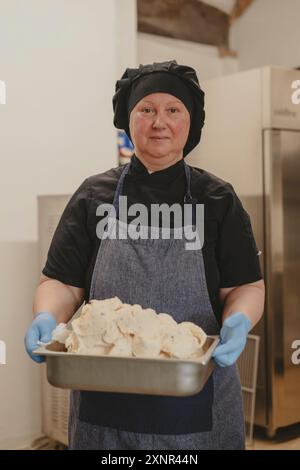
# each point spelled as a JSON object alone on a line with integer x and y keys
{"x": 159, "y": 126}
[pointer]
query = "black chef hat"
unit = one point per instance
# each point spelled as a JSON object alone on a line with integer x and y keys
{"x": 183, "y": 83}
{"x": 160, "y": 83}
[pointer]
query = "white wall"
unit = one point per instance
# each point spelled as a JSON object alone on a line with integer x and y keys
{"x": 205, "y": 59}
{"x": 126, "y": 38}
{"x": 268, "y": 33}
{"x": 60, "y": 61}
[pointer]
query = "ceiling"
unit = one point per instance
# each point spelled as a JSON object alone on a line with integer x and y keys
{"x": 224, "y": 5}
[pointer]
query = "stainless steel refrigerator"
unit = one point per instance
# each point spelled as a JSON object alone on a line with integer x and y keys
{"x": 251, "y": 138}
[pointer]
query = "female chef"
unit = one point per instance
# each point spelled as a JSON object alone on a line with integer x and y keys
{"x": 217, "y": 286}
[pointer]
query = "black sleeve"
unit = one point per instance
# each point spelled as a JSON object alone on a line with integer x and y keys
{"x": 237, "y": 251}
{"x": 70, "y": 249}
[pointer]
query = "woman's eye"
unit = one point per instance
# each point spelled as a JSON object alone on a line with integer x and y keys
{"x": 151, "y": 110}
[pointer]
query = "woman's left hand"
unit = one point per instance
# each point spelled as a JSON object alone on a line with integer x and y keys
{"x": 233, "y": 339}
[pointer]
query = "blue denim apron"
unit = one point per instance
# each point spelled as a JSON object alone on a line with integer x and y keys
{"x": 158, "y": 273}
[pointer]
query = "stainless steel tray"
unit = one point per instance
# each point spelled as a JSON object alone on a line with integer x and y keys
{"x": 172, "y": 377}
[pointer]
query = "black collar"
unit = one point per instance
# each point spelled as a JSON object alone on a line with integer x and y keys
{"x": 138, "y": 169}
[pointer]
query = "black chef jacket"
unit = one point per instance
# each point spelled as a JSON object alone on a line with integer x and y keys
{"x": 229, "y": 250}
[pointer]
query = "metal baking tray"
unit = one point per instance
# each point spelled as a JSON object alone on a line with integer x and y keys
{"x": 154, "y": 376}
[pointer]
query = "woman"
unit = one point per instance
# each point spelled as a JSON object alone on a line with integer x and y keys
{"x": 218, "y": 287}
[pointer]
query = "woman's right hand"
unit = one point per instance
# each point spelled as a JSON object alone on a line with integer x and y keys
{"x": 40, "y": 330}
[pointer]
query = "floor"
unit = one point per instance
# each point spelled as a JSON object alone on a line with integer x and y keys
{"x": 286, "y": 439}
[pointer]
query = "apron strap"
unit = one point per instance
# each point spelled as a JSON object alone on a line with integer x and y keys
{"x": 119, "y": 189}
{"x": 188, "y": 199}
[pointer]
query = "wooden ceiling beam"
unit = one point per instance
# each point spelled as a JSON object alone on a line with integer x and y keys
{"x": 190, "y": 20}
{"x": 239, "y": 8}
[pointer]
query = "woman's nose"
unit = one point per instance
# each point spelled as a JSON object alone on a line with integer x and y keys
{"x": 158, "y": 120}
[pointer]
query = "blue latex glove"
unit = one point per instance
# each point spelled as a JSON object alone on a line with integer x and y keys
{"x": 233, "y": 339}
{"x": 40, "y": 330}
